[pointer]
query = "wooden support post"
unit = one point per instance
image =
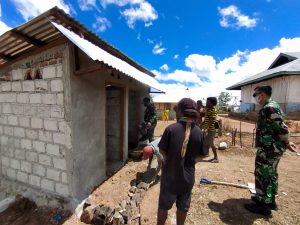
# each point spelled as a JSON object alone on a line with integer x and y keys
{"x": 241, "y": 130}
{"x": 235, "y": 131}
{"x": 232, "y": 134}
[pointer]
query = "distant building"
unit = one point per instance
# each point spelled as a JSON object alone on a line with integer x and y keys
{"x": 283, "y": 76}
{"x": 170, "y": 99}
{"x": 165, "y": 102}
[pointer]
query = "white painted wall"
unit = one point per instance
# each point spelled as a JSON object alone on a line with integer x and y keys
{"x": 285, "y": 89}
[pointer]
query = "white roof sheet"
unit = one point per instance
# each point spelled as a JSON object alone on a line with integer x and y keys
{"x": 175, "y": 96}
{"x": 292, "y": 67}
{"x": 97, "y": 53}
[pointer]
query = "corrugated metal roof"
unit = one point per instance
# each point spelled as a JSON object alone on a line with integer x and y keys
{"x": 99, "y": 54}
{"x": 39, "y": 32}
{"x": 167, "y": 98}
{"x": 174, "y": 96}
{"x": 294, "y": 54}
{"x": 290, "y": 68}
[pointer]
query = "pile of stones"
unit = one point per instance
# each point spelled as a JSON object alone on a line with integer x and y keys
{"x": 126, "y": 212}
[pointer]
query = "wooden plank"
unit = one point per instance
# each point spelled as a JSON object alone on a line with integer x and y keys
{"x": 48, "y": 32}
{"x": 59, "y": 41}
{"x": 92, "y": 69}
{"x": 23, "y": 49}
{"x": 7, "y": 43}
{"x": 7, "y": 48}
{"x": 6, "y": 57}
{"x": 35, "y": 27}
{"x": 27, "y": 39}
{"x": 16, "y": 48}
{"x": 52, "y": 36}
{"x": 40, "y": 30}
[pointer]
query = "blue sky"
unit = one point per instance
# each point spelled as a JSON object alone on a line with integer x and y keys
{"x": 201, "y": 45}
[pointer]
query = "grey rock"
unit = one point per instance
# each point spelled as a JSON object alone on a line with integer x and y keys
{"x": 143, "y": 185}
{"x": 123, "y": 204}
{"x": 132, "y": 189}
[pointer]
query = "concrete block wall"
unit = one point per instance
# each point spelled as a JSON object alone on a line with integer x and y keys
{"x": 35, "y": 137}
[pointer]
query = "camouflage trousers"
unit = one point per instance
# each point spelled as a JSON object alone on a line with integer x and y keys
{"x": 266, "y": 176}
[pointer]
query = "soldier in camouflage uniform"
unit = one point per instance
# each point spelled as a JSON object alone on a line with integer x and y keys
{"x": 272, "y": 139}
{"x": 150, "y": 118}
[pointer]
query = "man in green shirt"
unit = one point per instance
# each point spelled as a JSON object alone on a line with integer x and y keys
{"x": 150, "y": 120}
{"x": 272, "y": 139}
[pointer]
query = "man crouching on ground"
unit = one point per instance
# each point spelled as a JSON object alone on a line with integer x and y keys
{"x": 180, "y": 144}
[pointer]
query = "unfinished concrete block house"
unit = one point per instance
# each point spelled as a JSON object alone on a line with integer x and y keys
{"x": 283, "y": 76}
{"x": 70, "y": 104}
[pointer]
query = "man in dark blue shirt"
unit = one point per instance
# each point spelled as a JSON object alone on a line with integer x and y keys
{"x": 180, "y": 144}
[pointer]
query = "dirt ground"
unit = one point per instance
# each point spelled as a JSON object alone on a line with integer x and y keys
{"x": 211, "y": 204}
{"x": 24, "y": 211}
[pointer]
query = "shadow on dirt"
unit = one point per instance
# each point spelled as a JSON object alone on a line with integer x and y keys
{"x": 23, "y": 211}
{"x": 232, "y": 211}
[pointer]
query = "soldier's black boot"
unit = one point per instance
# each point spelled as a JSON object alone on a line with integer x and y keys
{"x": 261, "y": 208}
{"x": 255, "y": 199}
{"x": 273, "y": 205}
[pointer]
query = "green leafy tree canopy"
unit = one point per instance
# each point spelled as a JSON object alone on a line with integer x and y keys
{"x": 224, "y": 98}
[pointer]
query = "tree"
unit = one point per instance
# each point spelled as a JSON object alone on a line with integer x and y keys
{"x": 223, "y": 99}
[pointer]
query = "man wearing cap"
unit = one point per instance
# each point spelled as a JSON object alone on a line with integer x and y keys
{"x": 272, "y": 139}
{"x": 150, "y": 118}
{"x": 180, "y": 144}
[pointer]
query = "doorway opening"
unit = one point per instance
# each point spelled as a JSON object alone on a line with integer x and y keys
{"x": 114, "y": 125}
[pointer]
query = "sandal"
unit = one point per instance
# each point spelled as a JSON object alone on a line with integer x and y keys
{"x": 214, "y": 161}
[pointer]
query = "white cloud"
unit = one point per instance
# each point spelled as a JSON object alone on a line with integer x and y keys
{"x": 203, "y": 65}
{"x": 158, "y": 50}
{"x": 148, "y": 24}
{"x": 144, "y": 12}
{"x": 3, "y": 27}
{"x": 86, "y": 5}
{"x": 139, "y": 10}
{"x": 176, "y": 56}
{"x": 232, "y": 17}
{"x": 164, "y": 67}
{"x": 33, "y": 8}
{"x": 150, "y": 41}
{"x": 224, "y": 73}
{"x": 180, "y": 76}
{"x": 101, "y": 24}
{"x": 120, "y": 3}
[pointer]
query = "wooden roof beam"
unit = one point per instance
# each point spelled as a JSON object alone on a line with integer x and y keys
{"x": 27, "y": 39}
{"x": 6, "y": 57}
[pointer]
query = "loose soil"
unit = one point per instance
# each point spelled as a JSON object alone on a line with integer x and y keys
{"x": 211, "y": 204}
{"x": 24, "y": 211}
